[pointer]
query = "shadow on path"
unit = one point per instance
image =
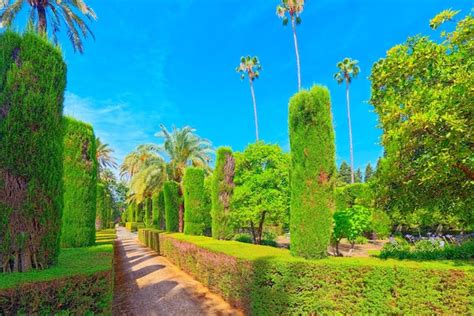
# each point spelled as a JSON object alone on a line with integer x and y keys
{"x": 148, "y": 284}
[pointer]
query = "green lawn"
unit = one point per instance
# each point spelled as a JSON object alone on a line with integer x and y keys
{"x": 71, "y": 261}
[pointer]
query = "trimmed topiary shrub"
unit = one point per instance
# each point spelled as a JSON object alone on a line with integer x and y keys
{"x": 159, "y": 210}
{"x": 171, "y": 197}
{"x": 208, "y": 205}
{"x": 222, "y": 188}
{"x": 313, "y": 172}
{"x": 194, "y": 202}
{"x": 131, "y": 212}
{"x": 80, "y": 185}
{"x": 148, "y": 208}
{"x": 32, "y": 83}
{"x": 101, "y": 207}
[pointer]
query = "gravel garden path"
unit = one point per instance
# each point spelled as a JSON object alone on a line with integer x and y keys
{"x": 148, "y": 284}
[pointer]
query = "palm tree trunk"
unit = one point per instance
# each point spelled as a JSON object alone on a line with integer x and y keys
{"x": 41, "y": 19}
{"x": 298, "y": 67}
{"x": 351, "y": 149}
{"x": 254, "y": 108}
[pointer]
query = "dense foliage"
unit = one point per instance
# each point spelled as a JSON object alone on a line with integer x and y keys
{"x": 32, "y": 83}
{"x": 222, "y": 188}
{"x": 80, "y": 185}
{"x": 428, "y": 249}
{"x": 350, "y": 223}
{"x": 422, "y": 93}
{"x": 148, "y": 210}
{"x": 158, "y": 210}
{"x": 268, "y": 281}
{"x": 101, "y": 206}
{"x": 172, "y": 201}
{"x": 194, "y": 202}
{"x": 313, "y": 172}
{"x": 261, "y": 193}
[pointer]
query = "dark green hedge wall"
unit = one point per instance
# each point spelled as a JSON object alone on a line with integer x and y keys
{"x": 267, "y": 281}
{"x": 313, "y": 171}
{"x": 171, "y": 197}
{"x": 32, "y": 83}
{"x": 194, "y": 202}
{"x": 80, "y": 184}
{"x": 222, "y": 188}
{"x": 101, "y": 207}
{"x": 159, "y": 210}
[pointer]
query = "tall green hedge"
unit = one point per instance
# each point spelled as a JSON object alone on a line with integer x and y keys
{"x": 171, "y": 197}
{"x": 131, "y": 212}
{"x": 222, "y": 188}
{"x": 194, "y": 202}
{"x": 208, "y": 206}
{"x": 80, "y": 185}
{"x": 159, "y": 210}
{"x": 313, "y": 172}
{"x": 32, "y": 83}
{"x": 148, "y": 209}
{"x": 101, "y": 207}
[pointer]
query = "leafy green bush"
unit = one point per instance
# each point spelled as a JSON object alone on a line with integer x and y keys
{"x": 196, "y": 210}
{"x": 80, "y": 185}
{"x": 171, "y": 197}
{"x": 246, "y": 238}
{"x": 350, "y": 223}
{"x": 428, "y": 249}
{"x": 313, "y": 172}
{"x": 361, "y": 240}
{"x": 380, "y": 224}
{"x": 353, "y": 194}
{"x": 32, "y": 83}
{"x": 263, "y": 280}
{"x": 222, "y": 188}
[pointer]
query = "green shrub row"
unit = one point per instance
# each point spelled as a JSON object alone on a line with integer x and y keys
{"x": 196, "y": 211}
{"x": 428, "y": 250}
{"x": 32, "y": 83}
{"x": 313, "y": 172}
{"x": 134, "y": 226}
{"x": 171, "y": 197}
{"x": 269, "y": 281}
{"x": 81, "y": 283}
{"x": 80, "y": 180}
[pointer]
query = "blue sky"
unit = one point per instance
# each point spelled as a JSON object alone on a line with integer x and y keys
{"x": 173, "y": 62}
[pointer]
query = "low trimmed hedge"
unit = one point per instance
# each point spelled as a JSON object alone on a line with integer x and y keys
{"x": 263, "y": 280}
{"x": 134, "y": 226}
{"x": 80, "y": 284}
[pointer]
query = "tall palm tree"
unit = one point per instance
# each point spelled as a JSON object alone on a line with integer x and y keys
{"x": 148, "y": 180}
{"x": 104, "y": 155}
{"x": 138, "y": 159}
{"x": 293, "y": 8}
{"x": 53, "y": 11}
{"x": 348, "y": 69}
{"x": 251, "y": 66}
{"x": 184, "y": 148}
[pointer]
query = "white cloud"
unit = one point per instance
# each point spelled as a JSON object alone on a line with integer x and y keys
{"x": 116, "y": 123}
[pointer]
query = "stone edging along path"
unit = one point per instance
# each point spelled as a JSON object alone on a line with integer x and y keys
{"x": 148, "y": 284}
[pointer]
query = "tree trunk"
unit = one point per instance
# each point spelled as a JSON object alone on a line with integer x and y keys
{"x": 260, "y": 228}
{"x": 254, "y": 108}
{"x": 41, "y": 19}
{"x": 254, "y": 234}
{"x": 298, "y": 67}
{"x": 351, "y": 149}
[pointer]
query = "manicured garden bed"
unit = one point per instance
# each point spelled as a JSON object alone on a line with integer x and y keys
{"x": 269, "y": 281}
{"x": 80, "y": 283}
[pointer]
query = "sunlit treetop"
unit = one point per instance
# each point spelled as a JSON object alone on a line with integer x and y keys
{"x": 291, "y": 7}
{"x": 250, "y": 66}
{"x": 348, "y": 69}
